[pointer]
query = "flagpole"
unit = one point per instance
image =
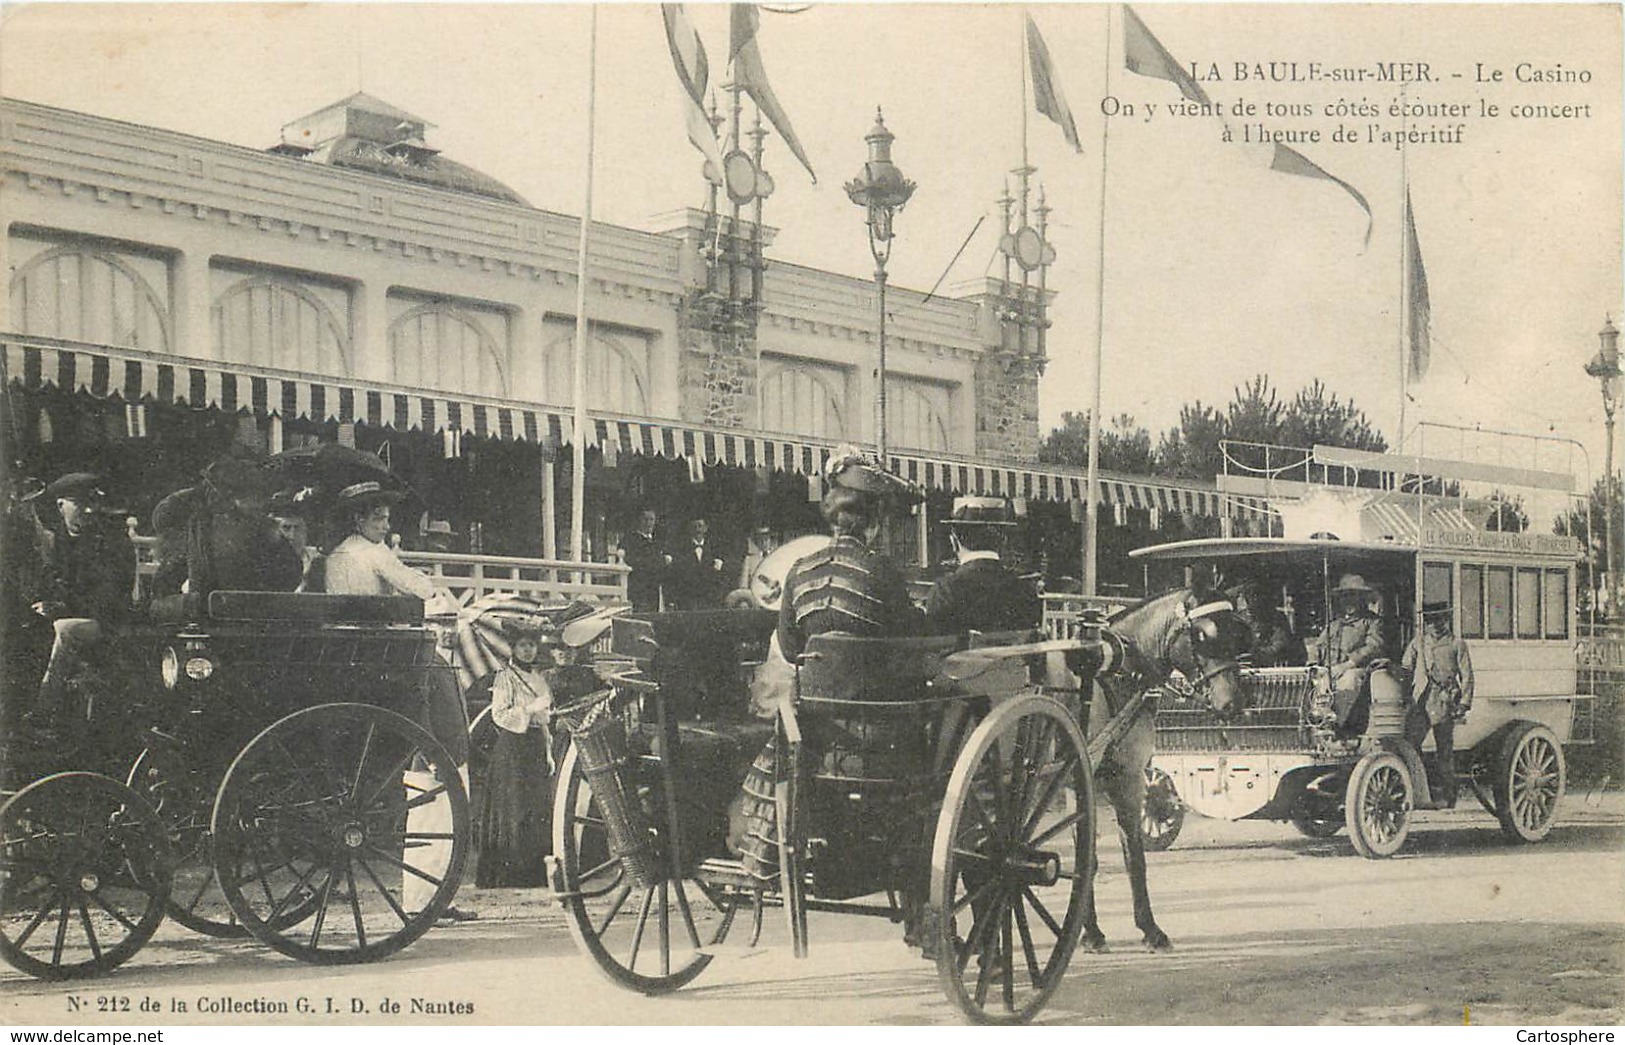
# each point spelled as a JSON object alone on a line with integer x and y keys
{"x": 1021, "y": 60}
{"x": 1092, "y": 507}
{"x": 578, "y": 384}
{"x": 1404, "y": 273}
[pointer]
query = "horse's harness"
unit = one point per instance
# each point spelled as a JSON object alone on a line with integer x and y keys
{"x": 1135, "y": 670}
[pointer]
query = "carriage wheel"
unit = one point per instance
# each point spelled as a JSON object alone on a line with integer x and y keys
{"x": 652, "y": 940}
{"x": 1164, "y": 813}
{"x": 340, "y": 834}
{"x": 1378, "y": 805}
{"x": 1011, "y": 860}
{"x": 84, "y": 870}
{"x": 1530, "y": 779}
{"x": 184, "y": 800}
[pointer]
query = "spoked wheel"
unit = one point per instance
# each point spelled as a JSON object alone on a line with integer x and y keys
{"x": 1164, "y": 813}
{"x": 1377, "y": 808}
{"x": 83, "y": 876}
{"x": 340, "y": 833}
{"x": 652, "y": 940}
{"x": 1013, "y": 849}
{"x": 1530, "y": 779}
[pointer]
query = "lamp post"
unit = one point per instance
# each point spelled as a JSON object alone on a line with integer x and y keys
{"x": 1604, "y": 366}
{"x": 882, "y": 191}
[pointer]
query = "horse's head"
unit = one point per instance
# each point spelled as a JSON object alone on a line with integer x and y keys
{"x": 1206, "y": 650}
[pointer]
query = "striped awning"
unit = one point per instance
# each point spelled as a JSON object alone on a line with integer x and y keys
{"x": 1397, "y": 520}
{"x": 41, "y": 363}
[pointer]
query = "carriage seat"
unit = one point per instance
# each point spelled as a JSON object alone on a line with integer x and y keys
{"x": 303, "y": 607}
{"x": 839, "y": 668}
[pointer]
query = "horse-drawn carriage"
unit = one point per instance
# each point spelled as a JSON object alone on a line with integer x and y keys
{"x": 277, "y": 784}
{"x": 1281, "y": 754}
{"x": 919, "y": 780}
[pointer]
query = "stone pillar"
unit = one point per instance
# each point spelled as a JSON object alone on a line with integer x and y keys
{"x": 1007, "y": 406}
{"x": 717, "y": 371}
{"x": 191, "y": 307}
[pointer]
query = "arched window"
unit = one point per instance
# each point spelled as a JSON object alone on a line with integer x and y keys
{"x": 614, "y": 377}
{"x": 79, "y": 294}
{"x": 917, "y": 415}
{"x": 802, "y": 400}
{"x": 438, "y": 345}
{"x": 267, "y": 321}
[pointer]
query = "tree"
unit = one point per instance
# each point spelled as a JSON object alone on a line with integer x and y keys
{"x": 1587, "y": 525}
{"x": 1191, "y": 451}
{"x": 1507, "y": 513}
{"x": 1124, "y": 446}
{"x": 1318, "y": 418}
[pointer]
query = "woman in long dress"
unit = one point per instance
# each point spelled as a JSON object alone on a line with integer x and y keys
{"x": 516, "y": 821}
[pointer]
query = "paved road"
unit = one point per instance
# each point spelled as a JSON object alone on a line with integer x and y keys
{"x": 1269, "y": 928}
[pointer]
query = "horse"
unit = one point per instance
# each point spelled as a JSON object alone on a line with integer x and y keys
{"x": 1198, "y": 632}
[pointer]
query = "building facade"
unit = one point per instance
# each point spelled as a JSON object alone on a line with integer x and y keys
{"x": 350, "y": 282}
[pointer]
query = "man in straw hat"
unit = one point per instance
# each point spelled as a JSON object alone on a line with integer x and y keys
{"x": 1441, "y": 691}
{"x": 1351, "y": 641}
{"x": 983, "y": 593}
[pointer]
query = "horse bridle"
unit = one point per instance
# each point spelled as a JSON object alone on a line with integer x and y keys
{"x": 1200, "y": 629}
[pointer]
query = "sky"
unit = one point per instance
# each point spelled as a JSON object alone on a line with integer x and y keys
{"x": 1216, "y": 267}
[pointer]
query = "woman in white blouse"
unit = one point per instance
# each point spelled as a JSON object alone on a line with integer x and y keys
{"x": 515, "y": 822}
{"x": 364, "y": 564}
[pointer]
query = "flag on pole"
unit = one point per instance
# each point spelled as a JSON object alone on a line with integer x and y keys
{"x": 693, "y": 72}
{"x": 751, "y": 77}
{"x": 1144, "y": 54}
{"x": 1420, "y": 312}
{"x": 1047, "y": 96}
{"x": 1288, "y": 160}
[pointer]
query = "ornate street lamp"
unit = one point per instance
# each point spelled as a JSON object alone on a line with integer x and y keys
{"x": 1604, "y": 366}
{"x": 882, "y": 191}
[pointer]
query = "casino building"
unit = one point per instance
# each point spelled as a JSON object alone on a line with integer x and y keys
{"x": 170, "y": 296}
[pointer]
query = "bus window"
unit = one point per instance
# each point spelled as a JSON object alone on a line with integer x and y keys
{"x": 1557, "y": 604}
{"x": 1435, "y": 582}
{"x": 1499, "y": 602}
{"x": 1472, "y": 602}
{"x": 1529, "y": 604}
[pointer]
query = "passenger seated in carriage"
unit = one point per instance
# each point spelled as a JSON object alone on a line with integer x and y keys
{"x": 85, "y": 576}
{"x": 219, "y": 536}
{"x": 848, "y": 587}
{"x": 982, "y": 593}
{"x": 1348, "y": 646}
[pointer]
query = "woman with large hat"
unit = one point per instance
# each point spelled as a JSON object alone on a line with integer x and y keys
{"x": 363, "y": 563}
{"x": 515, "y": 825}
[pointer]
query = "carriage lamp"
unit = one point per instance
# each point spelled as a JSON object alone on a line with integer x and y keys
{"x": 195, "y": 663}
{"x": 1604, "y": 366}
{"x": 882, "y": 191}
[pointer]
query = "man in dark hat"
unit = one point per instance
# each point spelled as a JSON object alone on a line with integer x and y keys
{"x": 1351, "y": 641}
{"x": 983, "y": 593}
{"x": 1441, "y": 691}
{"x": 86, "y": 576}
{"x": 218, "y": 536}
